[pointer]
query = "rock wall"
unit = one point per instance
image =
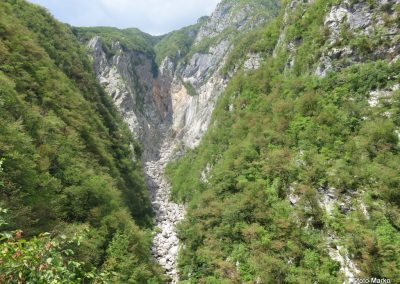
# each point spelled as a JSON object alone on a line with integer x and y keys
{"x": 129, "y": 78}
{"x": 362, "y": 19}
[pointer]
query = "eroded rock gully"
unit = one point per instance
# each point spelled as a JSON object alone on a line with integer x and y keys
{"x": 166, "y": 243}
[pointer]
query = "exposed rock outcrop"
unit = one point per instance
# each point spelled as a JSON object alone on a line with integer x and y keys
{"x": 359, "y": 20}
{"x": 252, "y": 62}
{"x": 341, "y": 255}
{"x": 129, "y": 78}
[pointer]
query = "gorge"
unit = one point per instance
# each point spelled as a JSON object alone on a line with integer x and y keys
{"x": 160, "y": 109}
{"x": 265, "y": 148}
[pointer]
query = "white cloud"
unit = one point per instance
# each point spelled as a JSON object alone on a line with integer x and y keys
{"x": 152, "y": 16}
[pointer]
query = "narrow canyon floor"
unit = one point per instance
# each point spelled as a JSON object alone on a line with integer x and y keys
{"x": 168, "y": 214}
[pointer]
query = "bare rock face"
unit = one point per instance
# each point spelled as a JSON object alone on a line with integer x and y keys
{"x": 341, "y": 255}
{"x": 225, "y": 16}
{"x": 129, "y": 79}
{"x": 359, "y": 19}
{"x": 252, "y": 62}
{"x": 192, "y": 113}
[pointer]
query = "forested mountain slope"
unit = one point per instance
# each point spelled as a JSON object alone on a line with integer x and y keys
{"x": 69, "y": 164}
{"x": 297, "y": 179}
{"x": 281, "y": 119}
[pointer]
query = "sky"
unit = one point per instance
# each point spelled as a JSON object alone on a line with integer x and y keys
{"x": 152, "y": 16}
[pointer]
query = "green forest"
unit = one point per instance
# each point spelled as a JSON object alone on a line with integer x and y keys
{"x": 67, "y": 164}
{"x": 277, "y": 131}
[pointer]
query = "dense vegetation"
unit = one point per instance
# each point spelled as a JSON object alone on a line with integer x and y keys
{"x": 281, "y": 131}
{"x": 132, "y": 38}
{"x": 177, "y": 44}
{"x": 42, "y": 259}
{"x": 68, "y": 162}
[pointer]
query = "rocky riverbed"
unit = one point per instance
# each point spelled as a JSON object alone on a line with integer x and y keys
{"x": 166, "y": 243}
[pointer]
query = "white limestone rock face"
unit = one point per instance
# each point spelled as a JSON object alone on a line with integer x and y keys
{"x": 128, "y": 79}
{"x": 225, "y": 16}
{"x": 328, "y": 200}
{"x": 377, "y": 97}
{"x": 253, "y": 62}
{"x": 359, "y": 19}
{"x": 341, "y": 255}
{"x": 192, "y": 113}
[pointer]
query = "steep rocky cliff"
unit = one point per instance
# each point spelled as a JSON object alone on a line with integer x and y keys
{"x": 168, "y": 106}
